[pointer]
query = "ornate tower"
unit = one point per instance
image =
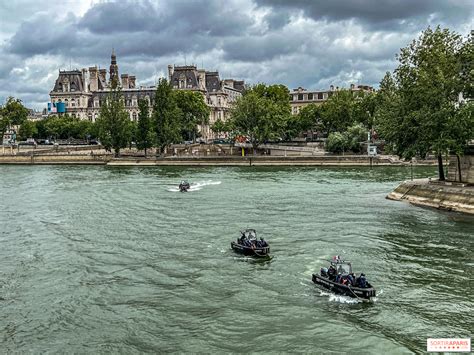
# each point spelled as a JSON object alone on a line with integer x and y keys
{"x": 113, "y": 71}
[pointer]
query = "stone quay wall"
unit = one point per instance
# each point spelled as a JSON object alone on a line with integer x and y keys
{"x": 443, "y": 196}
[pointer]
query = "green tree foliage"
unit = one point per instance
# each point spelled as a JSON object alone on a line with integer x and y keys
{"x": 336, "y": 142}
{"x": 419, "y": 110}
{"x": 337, "y": 112}
{"x": 145, "y": 132}
{"x": 351, "y": 139}
{"x": 194, "y": 112}
{"x": 308, "y": 118}
{"x": 65, "y": 127}
{"x": 355, "y": 136}
{"x": 261, "y": 113}
{"x": 167, "y": 116}
{"x": 27, "y": 130}
{"x": 113, "y": 122}
{"x": 12, "y": 113}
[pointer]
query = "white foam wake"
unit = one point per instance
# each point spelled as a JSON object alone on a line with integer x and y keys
{"x": 196, "y": 186}
{"x": 339, "y": 298}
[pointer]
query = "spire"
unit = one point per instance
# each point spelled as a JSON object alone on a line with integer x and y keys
{"x": 113, "y": 57}
{"x": 113, "y": 71}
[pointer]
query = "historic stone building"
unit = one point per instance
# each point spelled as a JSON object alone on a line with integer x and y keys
{"x": 301, "y": 97}
{"x": 218, "y": 94}
{"x": 83, "y": 91}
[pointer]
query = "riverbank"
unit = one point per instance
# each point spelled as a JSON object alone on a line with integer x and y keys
{"x": 81, "y": 158}
{"x": 443, "y": 196}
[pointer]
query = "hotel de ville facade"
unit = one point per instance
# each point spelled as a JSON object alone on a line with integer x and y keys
{"x": 82, "y": 92}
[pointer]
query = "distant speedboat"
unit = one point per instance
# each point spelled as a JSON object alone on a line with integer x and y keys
{"x": 248, "y": 244}
{"x": 340, "y": 279}
{"x": 184, "y": 186}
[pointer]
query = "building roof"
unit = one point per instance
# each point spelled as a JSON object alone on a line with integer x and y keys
{"x": 73, "y": 76}
{"x": 213, "y": 82}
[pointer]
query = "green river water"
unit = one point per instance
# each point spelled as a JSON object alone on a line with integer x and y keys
{"x": 96, "y": 259}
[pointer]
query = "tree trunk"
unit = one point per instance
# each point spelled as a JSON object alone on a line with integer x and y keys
{"x": 440, "y": 168}
{"x": 459, "y": 167}
{"x": 145, "y": 151}
{"x": 117, "y": 153}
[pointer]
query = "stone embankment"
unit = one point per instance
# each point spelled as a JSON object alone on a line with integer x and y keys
{"x": 96, "y": 158}
{"x": 443, "y": 196}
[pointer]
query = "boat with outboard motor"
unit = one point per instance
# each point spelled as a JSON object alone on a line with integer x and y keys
{"x": 248, "y": 244}
{"x": 184, "y": 186}
{"x": 340, "y": 279}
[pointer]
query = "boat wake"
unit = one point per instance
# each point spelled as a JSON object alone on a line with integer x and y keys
{"x": 196, "y": 186}
{"x": 339, "y": 298}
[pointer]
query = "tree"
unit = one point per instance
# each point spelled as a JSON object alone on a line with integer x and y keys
{"x": 194, "y": 112}
{"x": 27, "y": 130}
{"x": 419, "y": 104}
{"x": 166, "y": 116}
{"x": 113, "y": 121}
{"x": 308, "y": 118}
{"x": 337, "y": 112}
{"x": 354, "y": 136}
{"x": 218, "y": 127}
{"x": 12, "y": 113}
{"x": 145, "y": 133}
{"x": 336, "y": 142}
{"x": 261, "y": 113}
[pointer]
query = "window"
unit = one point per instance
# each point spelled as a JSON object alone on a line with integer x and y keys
{"x": 89, "y": 116}
{"x": 300, "y": 97}
{"x": 291, "y": 97}
{"x": 134, "y": 116}
{"x": 320, "y": 95}
{"x": 310, "y": 96}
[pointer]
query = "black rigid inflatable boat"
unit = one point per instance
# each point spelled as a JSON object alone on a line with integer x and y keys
{"x": 184, "y": 186}
{"x": 247, "y": 244}
{"x": 340, "y": 279}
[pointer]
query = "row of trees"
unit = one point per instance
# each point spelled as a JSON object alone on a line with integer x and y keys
{"x": 418, "y": 110}
{"x": 174, "y": 117}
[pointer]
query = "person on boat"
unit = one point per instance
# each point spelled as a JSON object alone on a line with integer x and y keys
{"x": 331, "y": 273}
{"x": 351, "y": 279}
{"x": 361, "y": 281}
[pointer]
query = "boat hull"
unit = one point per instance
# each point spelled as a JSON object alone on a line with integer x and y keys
{"x": 354, "y": 292}
{"x": 242, "y": 249}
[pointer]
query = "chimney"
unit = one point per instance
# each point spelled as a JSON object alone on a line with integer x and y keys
{"x": 103, "y": 75}
{"x": 94, "y": 86}
{"x": 125, "y": 81}
{"x": 131, "y": 82}
{"x": 170, "y": 72}
{"x": 84, "y": 79}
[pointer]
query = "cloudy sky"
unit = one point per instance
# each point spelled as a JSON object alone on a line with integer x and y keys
{"x": 307, "y": 43}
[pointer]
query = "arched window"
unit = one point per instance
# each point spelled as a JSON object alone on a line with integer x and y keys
{"x": 134, "y": 117}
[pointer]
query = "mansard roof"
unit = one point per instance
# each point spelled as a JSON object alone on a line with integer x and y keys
{"x": 189, "y": 73}
{"x": 73, "y": 76}
{"x": 213, "y": 82}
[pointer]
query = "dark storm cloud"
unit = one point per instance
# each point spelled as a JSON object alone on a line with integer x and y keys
{"x": 214, "y": 18}
{"x": 379, "y": 14}
{"x": 38, "y": 36}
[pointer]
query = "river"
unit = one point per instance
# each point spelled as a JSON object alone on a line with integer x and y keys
{"x": 103, "y": 259}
